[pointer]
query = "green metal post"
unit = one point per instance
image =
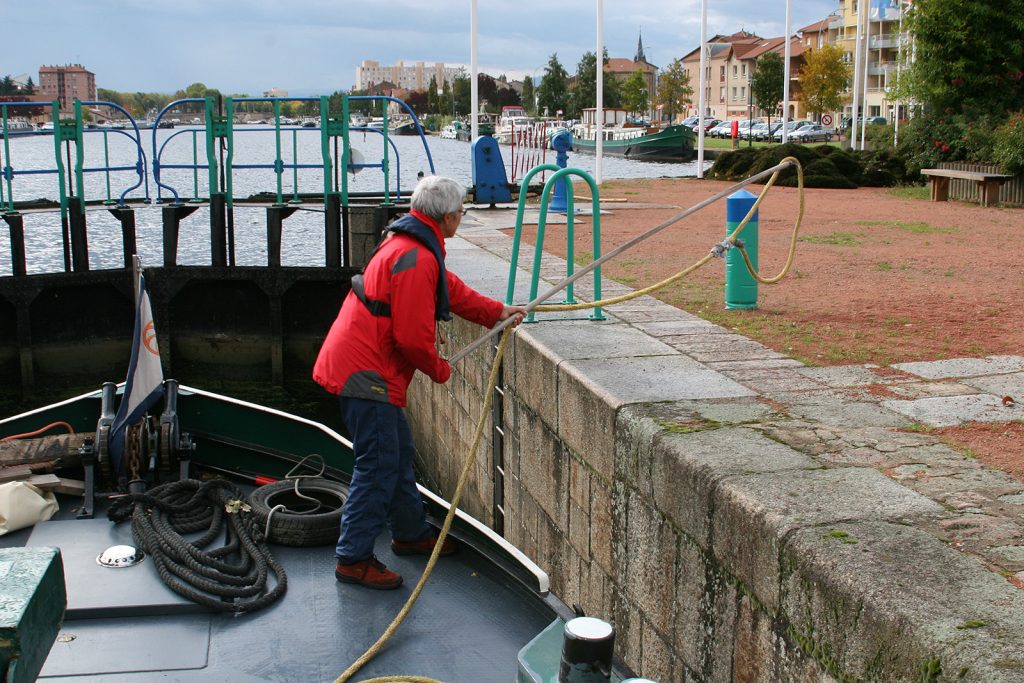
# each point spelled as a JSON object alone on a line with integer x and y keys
{"x": 295, "y": 167}
{"x": 106, "y": 165}
{"x": 740, "y": 286}
{"x": 195, "y": 167}
{"x": 211, "y": 138}
{"x": 384, "y": 163}
{"x": 325, "y": 143}
{"x": 8, "y": 170}
{"x": 79, "y": 155}
{"x": 278, "y": 163}
{"x": 229, "y": 162}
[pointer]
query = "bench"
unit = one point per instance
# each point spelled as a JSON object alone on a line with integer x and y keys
{"x": 988, "y": 183}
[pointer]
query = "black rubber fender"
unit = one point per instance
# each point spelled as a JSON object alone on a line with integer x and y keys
{"x": 294, "y": 528}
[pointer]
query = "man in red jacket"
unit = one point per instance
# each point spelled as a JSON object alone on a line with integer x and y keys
{"x": 383, "y": 334}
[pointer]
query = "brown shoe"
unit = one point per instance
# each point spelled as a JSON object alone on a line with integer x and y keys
{"x": 370, "y": 573}
{"x": 424, "y": 546}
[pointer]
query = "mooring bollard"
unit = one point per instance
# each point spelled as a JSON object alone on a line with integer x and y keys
{"x": 740, "y": 286}
{"x": 561, "y": 142}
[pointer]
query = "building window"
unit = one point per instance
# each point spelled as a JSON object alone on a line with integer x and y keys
{"x": 734, "y": 92}
{"x": 734, "y": 70}
{"x": 743, "y": 92}
{"x": 744, "y": 70}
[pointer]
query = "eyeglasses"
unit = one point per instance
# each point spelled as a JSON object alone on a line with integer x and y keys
{"x": 465, "y": 210}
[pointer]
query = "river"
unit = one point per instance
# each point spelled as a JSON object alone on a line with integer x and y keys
{"x": 303, "y": 233}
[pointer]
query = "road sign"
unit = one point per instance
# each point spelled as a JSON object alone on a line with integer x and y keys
{"x": 826, "y": 119}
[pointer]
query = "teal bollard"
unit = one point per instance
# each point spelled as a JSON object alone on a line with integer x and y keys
{"x": 740, "y": 286}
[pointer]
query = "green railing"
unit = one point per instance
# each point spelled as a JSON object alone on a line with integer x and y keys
{"x": 558, "y": 175}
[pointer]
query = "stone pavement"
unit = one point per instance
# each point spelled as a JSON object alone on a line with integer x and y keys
{"x": 836, "y": 464}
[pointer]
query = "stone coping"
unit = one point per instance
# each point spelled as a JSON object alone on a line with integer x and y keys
{"x": 879, "y": 536}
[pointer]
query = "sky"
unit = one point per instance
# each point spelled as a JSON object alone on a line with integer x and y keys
{"x": 314, "y": 46}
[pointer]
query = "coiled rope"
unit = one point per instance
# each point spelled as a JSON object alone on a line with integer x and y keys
{"x": 229, "y": 578}
{"x": 505, "y": 328}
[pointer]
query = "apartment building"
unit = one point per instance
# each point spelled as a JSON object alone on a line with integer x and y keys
{"x": 67, "y": 83}
{"x": 727, "y": 90}
{"x": 884, "y": 30}
{"x": 416, "y": 77}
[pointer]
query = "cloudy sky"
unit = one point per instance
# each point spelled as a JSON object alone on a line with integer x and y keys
{"x": 314, "y": 46}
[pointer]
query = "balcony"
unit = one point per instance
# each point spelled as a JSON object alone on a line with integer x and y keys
{"x": 836, "y": 23}
{"x": 881, "y": 68}
{"x": 884, "y": 40}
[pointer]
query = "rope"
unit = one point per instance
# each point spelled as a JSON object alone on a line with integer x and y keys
{"x": 229, "y": 578}
{"x": 492, "y": 379}
{"x": 12, "y": 437}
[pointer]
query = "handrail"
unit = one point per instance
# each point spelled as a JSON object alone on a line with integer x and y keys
{"x": 70, "y": 130}
{"x": 559, "y": 174}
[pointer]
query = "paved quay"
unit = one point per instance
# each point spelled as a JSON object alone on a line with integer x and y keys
{"x": 877, "y": 537}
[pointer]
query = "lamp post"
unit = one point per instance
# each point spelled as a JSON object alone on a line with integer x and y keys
{"x": 536, "y": 92}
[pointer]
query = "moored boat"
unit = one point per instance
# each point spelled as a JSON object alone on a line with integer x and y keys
{"x": 671, "y": 144}
{"x": 485, "y": 613}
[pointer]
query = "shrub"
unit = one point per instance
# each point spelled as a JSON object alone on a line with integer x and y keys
{"x": 883, "y": 168}
{"x": 1008, "y": 147}
{"x": 824, "y": 166}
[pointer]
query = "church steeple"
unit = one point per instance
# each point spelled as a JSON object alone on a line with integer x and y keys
{"x": 640, "y": 57}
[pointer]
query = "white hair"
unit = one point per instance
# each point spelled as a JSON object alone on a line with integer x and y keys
{"x": 437, "y": 195}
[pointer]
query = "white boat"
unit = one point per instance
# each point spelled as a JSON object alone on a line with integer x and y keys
{"x": 451, "y": 131}
{"x": 19, "y": 125}
{"x": 614, "y": 127}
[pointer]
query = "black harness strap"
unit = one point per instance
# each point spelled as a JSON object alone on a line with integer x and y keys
{"x": 381, "y": 309}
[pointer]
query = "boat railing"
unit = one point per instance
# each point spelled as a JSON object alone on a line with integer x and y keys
{"x": 558, "y": 175}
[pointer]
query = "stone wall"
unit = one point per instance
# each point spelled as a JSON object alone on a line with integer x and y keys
{"x": 726, "y": 536}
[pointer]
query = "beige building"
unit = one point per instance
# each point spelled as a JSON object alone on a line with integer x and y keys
{"x": 417, "y": 77}
{"x": 728, "y": 72}
{"x": 883, "y": 48}
{"x": 67, "y": 83}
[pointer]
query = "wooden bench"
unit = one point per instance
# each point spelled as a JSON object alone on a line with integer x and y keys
{"x": 988, "y": 183}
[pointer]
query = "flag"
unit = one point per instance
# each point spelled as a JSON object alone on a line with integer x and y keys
{"x": 145, "y": 383}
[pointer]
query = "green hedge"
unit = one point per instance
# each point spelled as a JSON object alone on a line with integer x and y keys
{"x": 824, "y": 166}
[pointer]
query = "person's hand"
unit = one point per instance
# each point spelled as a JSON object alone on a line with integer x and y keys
{"x": 509, "y": 311}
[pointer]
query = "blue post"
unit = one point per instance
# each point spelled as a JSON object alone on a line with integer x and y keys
{"x": 740, "y": 286}
{"x": 561, "y": 143}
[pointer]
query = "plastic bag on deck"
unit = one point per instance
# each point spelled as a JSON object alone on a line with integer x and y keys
{"x": 22, "y": 505}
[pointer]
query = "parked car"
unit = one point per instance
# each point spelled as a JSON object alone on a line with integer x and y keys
{"x": 709, "y": 123}
{"x": 871, "y": 121}
{"x": 790, "y": 128}
{"x": 814, "y": 132}
{"x": 764, "y": 131}
{"x": 689, "y": 121}
{"x": 721, "y": 130}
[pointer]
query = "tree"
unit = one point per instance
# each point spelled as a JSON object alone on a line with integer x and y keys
{"x": 7, "y": 86}
{"x": 767, "y": 81}
{"x": 968, "y": 55}
{"x": 634, "y": 92}
{"x": 674, "y": 91}
{"x": 461, "y": 92}
{"x": 486, "y": 89}
{"x": 528, "y": 95}
{"x": 432, "y": 96}
{"x": 823, "y": 79}
{"x": 553, "y": 94}
{"x": 30, "y": 87}
{"x": 584, "y": 94}
{"x": 446, "y": 103}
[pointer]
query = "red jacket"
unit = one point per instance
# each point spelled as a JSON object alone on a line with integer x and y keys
{"x": 375, "y": 356}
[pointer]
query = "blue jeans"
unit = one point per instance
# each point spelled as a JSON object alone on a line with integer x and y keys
{"x": 383, "y": 489}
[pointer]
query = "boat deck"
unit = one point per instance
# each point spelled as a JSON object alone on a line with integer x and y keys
{"x": 468, "y": 625}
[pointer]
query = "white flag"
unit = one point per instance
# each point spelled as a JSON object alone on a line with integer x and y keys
{"x": 145, "y": 383}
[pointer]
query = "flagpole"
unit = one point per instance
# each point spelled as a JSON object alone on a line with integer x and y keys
{"x": 786, "y": 70}
{"x": 136, "y": 272}
{"x": 474, "y": 107}
{"x": 856, "y": 83}
{"x": 702, "y": 102}
{"x": 599, "y": 131}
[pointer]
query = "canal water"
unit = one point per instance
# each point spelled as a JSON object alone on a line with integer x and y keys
{"x": 254, "y": 145}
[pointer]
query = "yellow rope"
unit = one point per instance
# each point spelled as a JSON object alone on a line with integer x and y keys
{"x": 492, "y": 379}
